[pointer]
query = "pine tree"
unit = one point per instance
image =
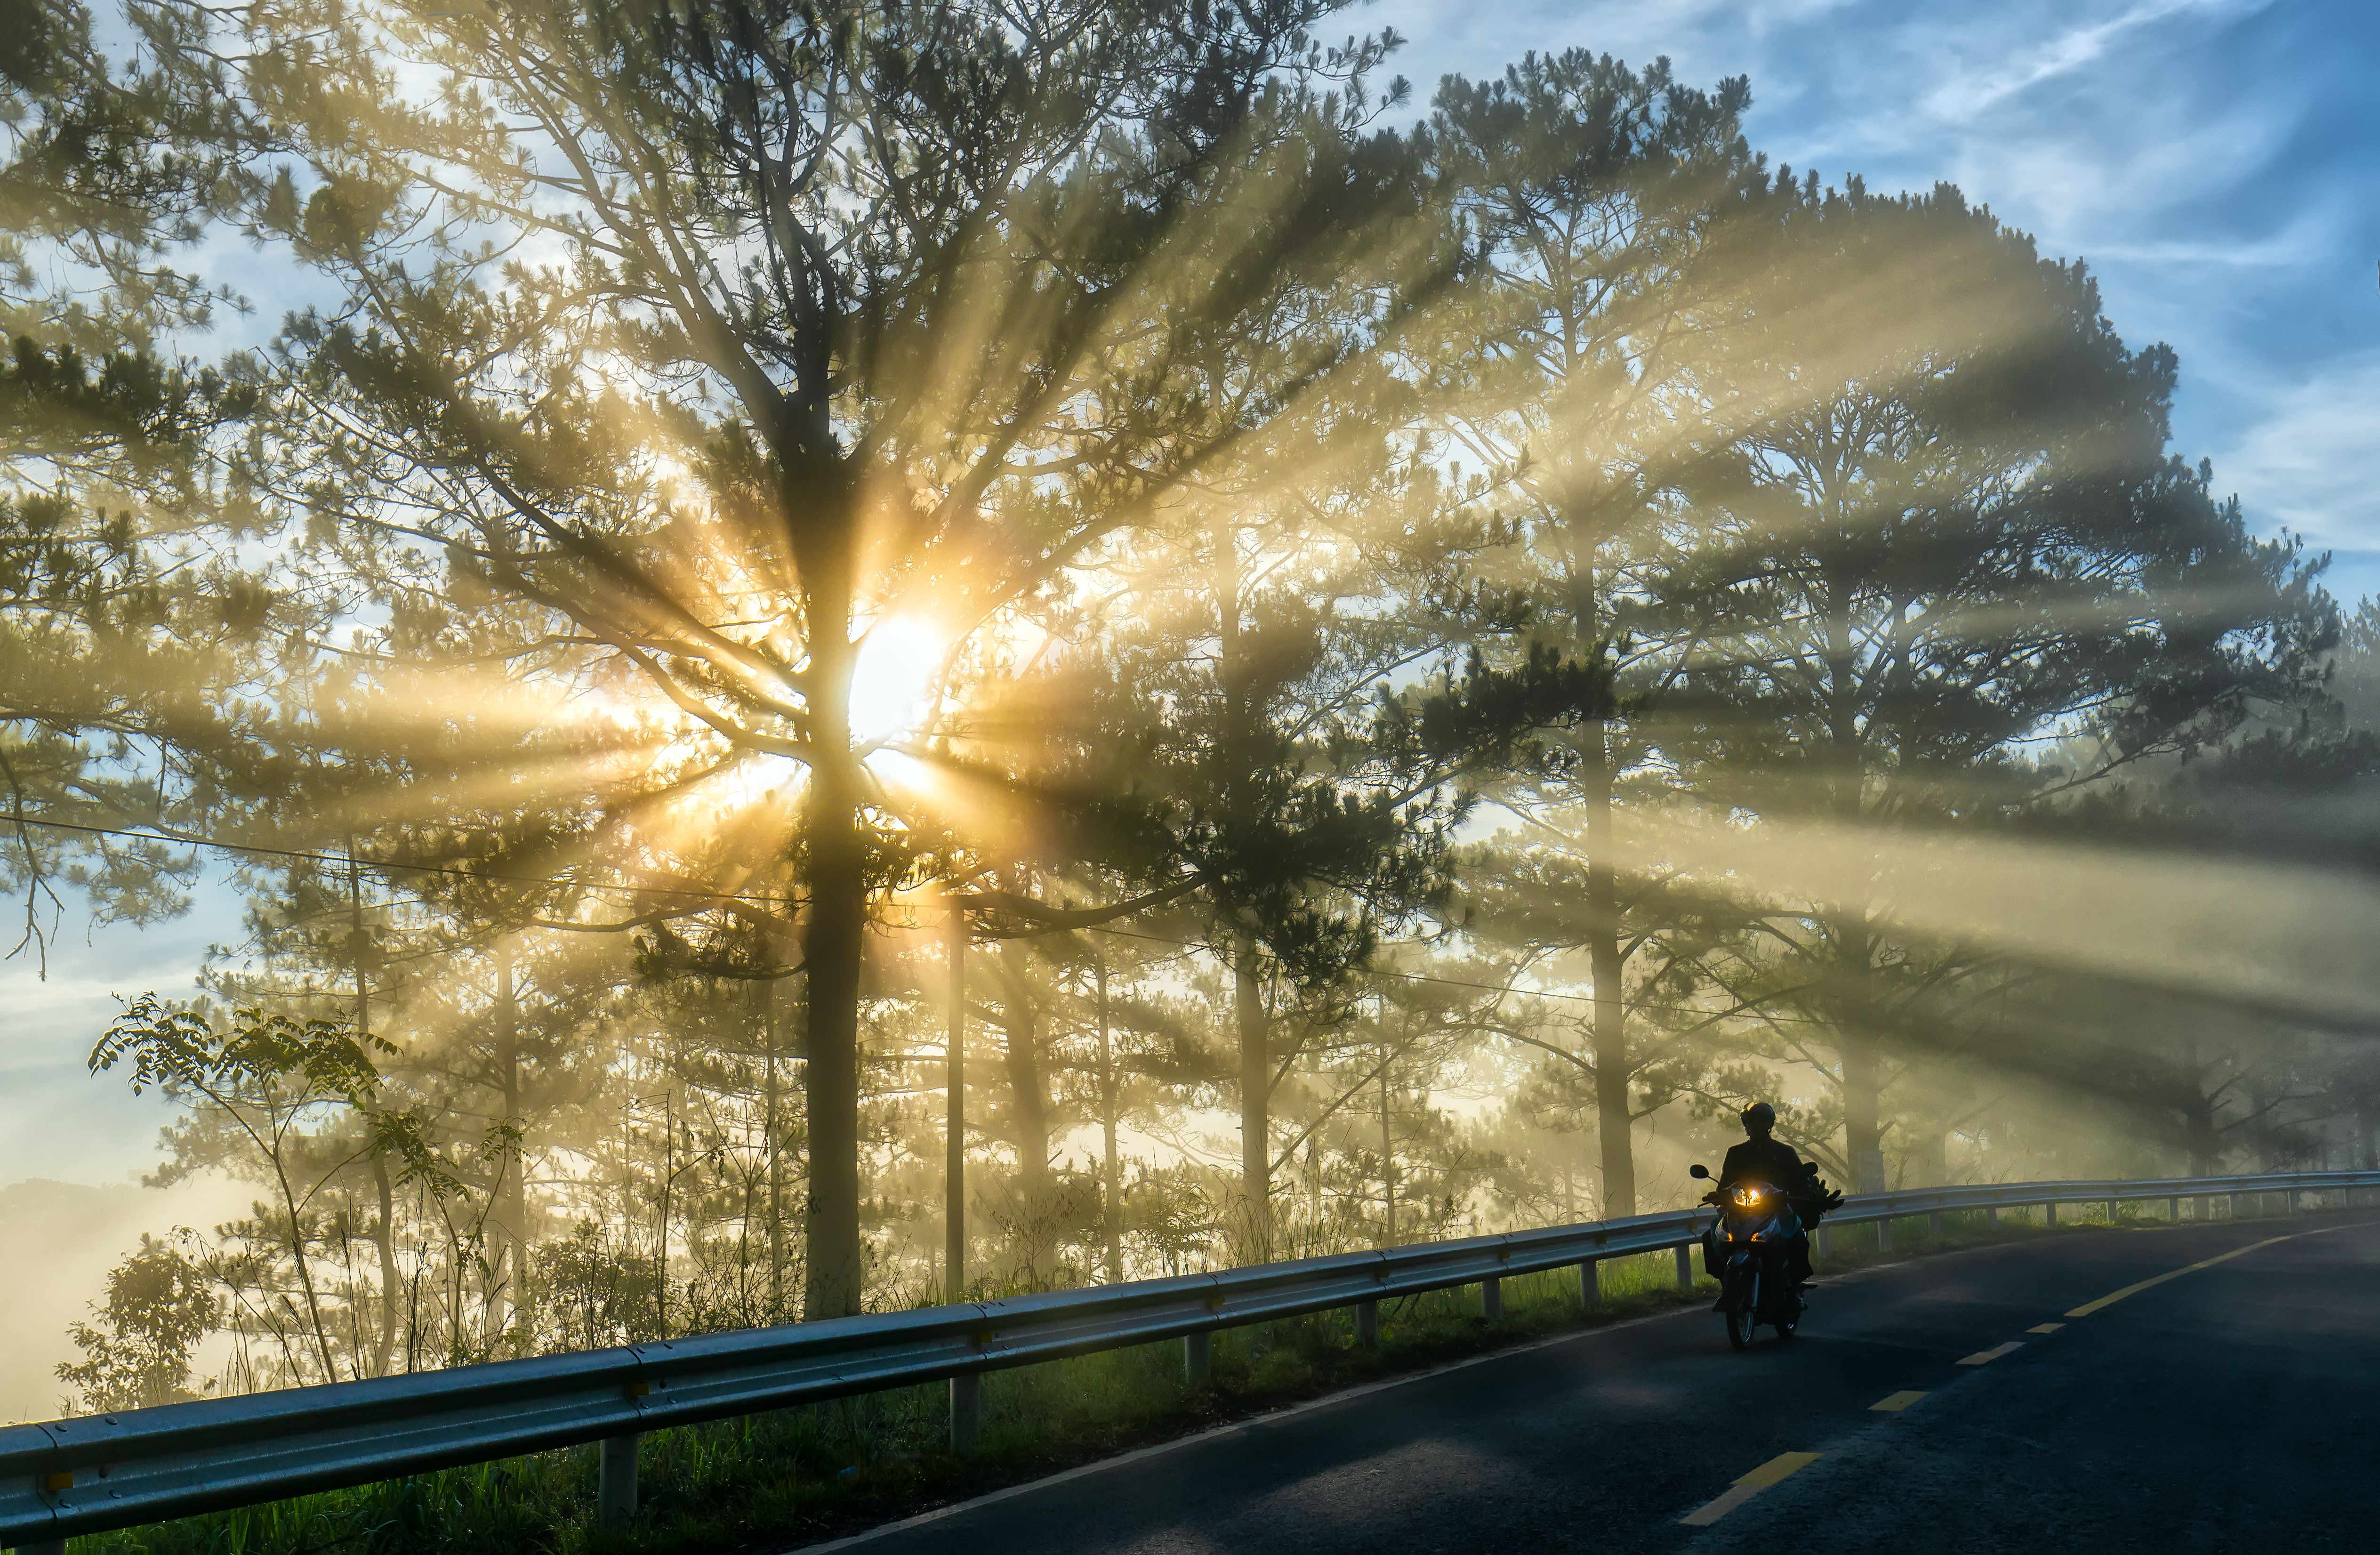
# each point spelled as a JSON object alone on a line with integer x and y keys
{"x": 1570, "y": 383}
{"x": 1951, "y": 528}
{"x": 853, "y": 313}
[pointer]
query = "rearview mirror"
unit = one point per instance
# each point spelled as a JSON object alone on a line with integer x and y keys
{"x": 1698, "y": 1169}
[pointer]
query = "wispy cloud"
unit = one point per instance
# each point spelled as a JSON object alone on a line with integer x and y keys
{"x": 2311, "y": 460}
{"x": 1967, "y": 95}
{"x": 2306, "y": 241}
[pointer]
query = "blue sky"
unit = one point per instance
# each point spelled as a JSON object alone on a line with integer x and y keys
{"x": 2217, "y": 162}
{"x": 56, "y": 1119}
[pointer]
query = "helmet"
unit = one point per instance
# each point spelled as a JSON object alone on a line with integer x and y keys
{"x": 1759, "y": 1118}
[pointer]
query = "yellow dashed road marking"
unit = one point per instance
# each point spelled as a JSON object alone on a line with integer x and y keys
{"x": 1982, "y": 1358}
{"x": 2045, "y": 1328}
{"x": 1896, "y": 1402}
{"x": 1751, "y": 1485}
{"x": 2090, "y": 1307}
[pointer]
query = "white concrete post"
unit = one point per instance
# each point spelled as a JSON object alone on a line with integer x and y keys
{"x": 615, "y": 1481}
{"x": 1198, "y": 1359}
{"x": 967, "y": 1413}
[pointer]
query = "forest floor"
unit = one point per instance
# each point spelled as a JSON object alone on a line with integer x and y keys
{"x": 776, "y": 1481}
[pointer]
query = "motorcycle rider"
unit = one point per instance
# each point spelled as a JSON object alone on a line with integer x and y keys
{"x": 1763, "y": 1158}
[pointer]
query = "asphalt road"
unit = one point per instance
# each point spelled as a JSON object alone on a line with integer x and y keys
{"x": 2232, "y": 1407}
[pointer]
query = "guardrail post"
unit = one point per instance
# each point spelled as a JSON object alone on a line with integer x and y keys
{"x": 1884, "y": 1236}
{"x": 1822, "y": 1242}
{"x": 1933, "y": 1225}
{"x": 615, "y": 1481}
{"x": 967, "y": 1412}
{"x": 2289, "y": 1201}
{"x": 1491, "y": 1300}
{"x": 2049, "y": 1214}
{"x": 1685, "y": 1266}
{"x": 1590, "y": 1290}
{"x": 1367, "y": 1324}
{"x": 1992, "y": 1217}
{"x": 2173, "y": 1210}
{"x": 1198, "y": 1359}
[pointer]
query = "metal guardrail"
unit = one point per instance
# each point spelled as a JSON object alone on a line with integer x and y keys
{"x": 94, "y": 1473}
{"x": 1908, "y": 1202}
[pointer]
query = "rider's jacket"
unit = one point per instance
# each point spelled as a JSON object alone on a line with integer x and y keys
{"x": 1765, "y": 1159}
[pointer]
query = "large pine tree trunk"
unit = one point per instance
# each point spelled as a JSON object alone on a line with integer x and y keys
{"x": 1855, "y": 1042}
{"x": 508, "y": 1227}
{"x": 833, "y": 940}
{"x": 384, "y": 1239}
{"x": 1110, "y": 1169}
{"x": 384, "y": 1234}
{"x": 2261, "y": 1135}
{"x": 1028, "y": 1098}
{"x": 1030, "y": 1108}
{"x": 773, "y": 1134}
{"x": 2197, "y": 1113}
{"x": 1856, "y": 1028}
{"x": 1249, "y": 1007}
{"x": 1255, "y": 1098}
{"x": 1614, "y": 1123}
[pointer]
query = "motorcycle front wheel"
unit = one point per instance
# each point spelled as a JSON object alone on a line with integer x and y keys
{"x": 1741, "y": 1319}
{"x": 1791, "y": 1317}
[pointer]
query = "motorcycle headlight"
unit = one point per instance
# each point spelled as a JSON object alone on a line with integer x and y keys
{"x": 1749, "y": 1195}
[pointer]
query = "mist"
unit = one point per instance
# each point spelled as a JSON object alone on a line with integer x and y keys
{"x": 1273, "y": 662}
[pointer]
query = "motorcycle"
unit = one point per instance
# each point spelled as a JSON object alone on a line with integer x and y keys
{"x": 1750, "y": 1251}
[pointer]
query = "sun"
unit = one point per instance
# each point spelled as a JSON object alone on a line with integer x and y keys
{"x": 892, "y": 684}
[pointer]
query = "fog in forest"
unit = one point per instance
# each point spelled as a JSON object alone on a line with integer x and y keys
{"x": 1360, "y": 660}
